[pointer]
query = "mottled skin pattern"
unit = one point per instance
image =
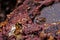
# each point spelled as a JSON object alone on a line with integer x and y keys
{"x": 30, "y": 30}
